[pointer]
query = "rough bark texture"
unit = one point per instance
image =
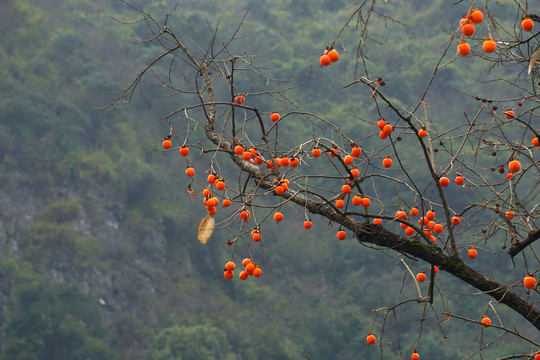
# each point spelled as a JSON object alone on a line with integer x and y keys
{"x": 517, "y": 247}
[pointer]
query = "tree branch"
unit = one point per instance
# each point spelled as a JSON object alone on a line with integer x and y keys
{"x": 517, "y": 247}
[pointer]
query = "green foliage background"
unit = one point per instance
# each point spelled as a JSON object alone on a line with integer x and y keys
{"x": 85, "y": 214}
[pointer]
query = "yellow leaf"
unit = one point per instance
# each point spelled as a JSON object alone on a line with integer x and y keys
{"x": 206, "y": 228}
{"x": 534, "y": 57}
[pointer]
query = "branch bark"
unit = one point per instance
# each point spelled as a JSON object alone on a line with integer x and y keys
{"x": 517, "y": 247}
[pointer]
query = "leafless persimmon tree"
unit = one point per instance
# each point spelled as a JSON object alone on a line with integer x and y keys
{"x": 417, "y": 158}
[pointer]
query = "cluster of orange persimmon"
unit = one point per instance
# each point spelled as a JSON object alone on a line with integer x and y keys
{"x": 426, "y": 222}
{"x": 385, "y": 128}
{"x": 475, "y": 16}
{"x": 466, "y": 25}
{"x": 250, "y": 269}
{"x": 329, "y": 56}
{"x": 211, "y": 201}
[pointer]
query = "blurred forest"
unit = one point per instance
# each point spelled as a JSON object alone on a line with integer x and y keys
{"x": 100, "y": 257}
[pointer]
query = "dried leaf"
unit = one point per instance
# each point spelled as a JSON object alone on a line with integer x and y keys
{"x": 534, "y": 57}
{"x": 206, "y": 228}
{"x": 190, "y": 190}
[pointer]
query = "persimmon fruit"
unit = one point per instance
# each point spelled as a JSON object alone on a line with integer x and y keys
{"x": 489, "y": 45}
{"x": 249, "y": 268}
{"x": 256, "y": 235}
{"x": 421, "y": 277}
{"x": 509, "y": 114}
{"x": 341, "y": 235}
{"x": 238, "y": 150}
{"x": 166, "y": 144}
{"x": 190, "y": 171}
{"x": 333, "y": 55}
{"x": 356, "y": 151}
{"x": 184, "y": 151}
{"x": 444, "y": 181}
{"x": 467, "y": 28}
{"x": 486, "y": 322}
{"x": 245, "y": 262}
{"x": 244, "y": 215}
{"x": 307, "y": 224}
{"x": 370, "y": 339}
{"x": 377, "y": 221}
{"x": 463, "y": 48}
{"x": 220, "y": 185}
{"x": 356, "y": 200}
{"x": 514, "y": 166}
{"x": 246, "y": 155}
{"x": 387, "y": 162}
{"x": 527, "y": 24}
{"x": 388, "y": 129}
{"x": 366, "y": 202}
{"x": 325, "y": 60}
{"x": 275, "y": 117}
{"x": 400, "y": 214}
{"x": 476, "y": 16}
{"x": 529, "y": 282}
{"x": 472, "y": 253}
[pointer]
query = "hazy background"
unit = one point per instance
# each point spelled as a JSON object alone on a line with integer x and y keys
{"x": 100, "y": 258}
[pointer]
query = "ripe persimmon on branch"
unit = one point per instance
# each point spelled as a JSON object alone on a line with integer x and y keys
{"x": 329, "y": 172}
